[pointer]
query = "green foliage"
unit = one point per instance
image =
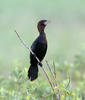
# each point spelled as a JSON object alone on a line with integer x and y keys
{"x": 18, "y": 87}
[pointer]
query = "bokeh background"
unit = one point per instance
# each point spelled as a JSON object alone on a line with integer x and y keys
{"x": 65, "y": 33}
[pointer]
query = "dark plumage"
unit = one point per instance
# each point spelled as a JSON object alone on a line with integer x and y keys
{"x": 39, "y": 47}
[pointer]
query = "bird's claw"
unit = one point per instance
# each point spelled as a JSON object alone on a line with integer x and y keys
{"x": 40, "y": 64}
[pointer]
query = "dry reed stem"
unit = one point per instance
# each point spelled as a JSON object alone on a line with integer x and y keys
{"x": 54, "y": 69}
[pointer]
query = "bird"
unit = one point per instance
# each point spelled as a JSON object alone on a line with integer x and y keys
{"x": 39, "y": 47}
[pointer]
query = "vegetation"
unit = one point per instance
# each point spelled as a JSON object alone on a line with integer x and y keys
{"x": 18, "y": 87}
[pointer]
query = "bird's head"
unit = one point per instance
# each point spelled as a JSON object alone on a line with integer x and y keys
{"x": 42, "y": 24}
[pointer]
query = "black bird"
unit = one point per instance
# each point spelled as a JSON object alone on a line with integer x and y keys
{"x": 39, "y": 47}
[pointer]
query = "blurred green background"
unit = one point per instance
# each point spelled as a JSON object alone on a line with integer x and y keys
{"x": 65, "y": 33}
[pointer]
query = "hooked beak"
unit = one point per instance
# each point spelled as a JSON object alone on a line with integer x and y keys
{"x": 46, "y": 22}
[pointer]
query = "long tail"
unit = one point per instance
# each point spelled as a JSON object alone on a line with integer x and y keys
{"x": 33, "y": 72}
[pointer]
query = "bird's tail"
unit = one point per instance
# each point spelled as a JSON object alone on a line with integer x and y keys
{"x": 33, "y": 72}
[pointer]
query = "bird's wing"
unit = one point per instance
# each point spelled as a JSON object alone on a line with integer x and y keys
{"x": 39, "y": 48}
{"x": 36, "y": 46}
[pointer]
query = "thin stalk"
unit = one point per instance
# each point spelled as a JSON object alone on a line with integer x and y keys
{"x": 58, "y": 92}
{"x": 54, "y": 70}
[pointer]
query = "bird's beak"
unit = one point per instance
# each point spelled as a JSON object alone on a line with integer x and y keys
{"x": 46, "y": 22}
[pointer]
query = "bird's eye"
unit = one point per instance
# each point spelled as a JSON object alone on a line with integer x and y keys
{"x": 42, "y": 24}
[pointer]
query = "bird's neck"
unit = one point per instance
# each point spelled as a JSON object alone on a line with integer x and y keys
{"x": 42, "y": 32}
